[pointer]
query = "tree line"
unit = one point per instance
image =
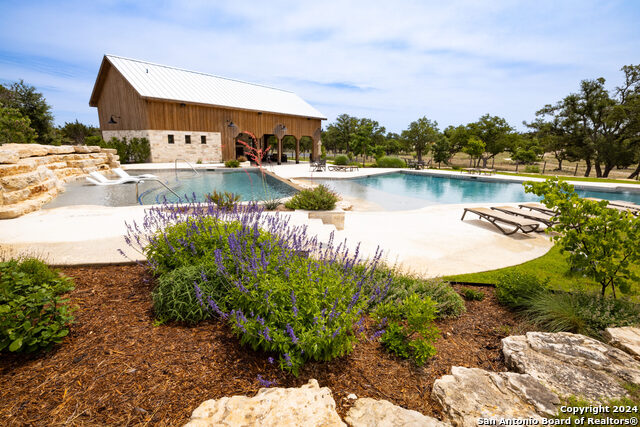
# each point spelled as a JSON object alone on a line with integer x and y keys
{"x": 596, "y": 125}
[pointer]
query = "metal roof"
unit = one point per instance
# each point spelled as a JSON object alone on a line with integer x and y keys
{"x": 175, "y": 84}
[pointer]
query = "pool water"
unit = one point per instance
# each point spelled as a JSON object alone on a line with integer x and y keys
{"x": 249, "y": 184}
{"x": 403, "y": 191}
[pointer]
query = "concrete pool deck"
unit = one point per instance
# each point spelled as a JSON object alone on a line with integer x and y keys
{"x": 431, "y": 241}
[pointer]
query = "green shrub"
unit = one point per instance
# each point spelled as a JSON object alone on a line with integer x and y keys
{"x": 409, "y": 330}
{"x": 390, "y": 162}
{"x": 272, "y": 296}
{"x": 32, "y": 315}
{"x": 138, "y": 150}
{"x": 223, "y": 200}
{"x": 175, "y": 299}
{"x": 472, "y": 294}
{"x": 271, "y": 204}
{"x": 449, "y": 303}
{"x": 341, "y": 160}
{"x": 515, "y": 289}
{"x": 585, "y": 314}
{"x": 232, "y": 163}
{"x": 317, "y": 199}
{"x": 532, "y": 169}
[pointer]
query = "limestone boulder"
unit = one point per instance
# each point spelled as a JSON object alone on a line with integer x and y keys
{"x": 381, "y": 413}
{"x": 24, "y": 180}
{"x": 27, "y": 150}
{"x": 571, "y": 364}
{"x": 61, "y": 149}
{"x": 471, "y": 393}
{"x": 308, "y": 405}
{"x": 22, "y": 166}
{"x": 626, "y": 338}
{"x": 86, "y": 148}
{"x": 8, "y": 156}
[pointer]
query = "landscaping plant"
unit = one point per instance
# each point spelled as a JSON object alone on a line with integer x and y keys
{"x": 33, "y": 316}
{"x": 320, "y": 198}
{"x": 223, "y": 200}
{"x": 390, "y": 162}
{"x": 232, "y": 163}
{"x": 341, "y": 160}
{"x": 257, "y": 275}
{"x": 516, "y": 289}
{"x": 409, "y": 331}
{"x": 472, "y": 294}
{"x": 601, "y": 242}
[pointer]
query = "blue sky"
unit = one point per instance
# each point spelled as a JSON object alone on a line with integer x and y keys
{"x": 390, "y": 61}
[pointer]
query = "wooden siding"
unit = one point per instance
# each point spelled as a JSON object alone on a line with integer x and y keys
{"x": 113, "y": 95}
{"x": 118, "y": 98}
{"x": 176, "y": 116}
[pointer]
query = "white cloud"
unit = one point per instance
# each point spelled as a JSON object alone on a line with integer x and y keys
{"x": 452, "y": 61}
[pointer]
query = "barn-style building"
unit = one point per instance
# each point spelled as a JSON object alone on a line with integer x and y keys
{"x": 194, "y": 116}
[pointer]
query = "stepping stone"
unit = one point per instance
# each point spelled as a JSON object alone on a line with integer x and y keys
{"x": 469, "y": 394}
{"x": 381, "y": 413}
{"x": 571, "y": 364}
{"x": 308, "y": 405}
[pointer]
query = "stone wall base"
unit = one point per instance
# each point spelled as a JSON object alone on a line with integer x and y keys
{"x": 163, "y": 152}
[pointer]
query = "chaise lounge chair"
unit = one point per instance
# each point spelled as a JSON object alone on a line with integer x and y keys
{"x": 96, "y": 178}
{"x": 123, "y": 174}
{"x": 495, "y": 217}
{"x": 544, "y": 218}
{"x": 620, "y": 205}
{"x": 538, "y": 207}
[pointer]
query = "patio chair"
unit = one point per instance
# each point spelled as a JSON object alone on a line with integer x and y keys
{"x": 537, "y": 207}
{"x": 123, "y": 174}
{"x": 318, "y": 166}
{"x": 495, "y": 217}
{"x": 544, "y": 218}
{"x": 619, "y": 205}
{"x": 96, "y": 178}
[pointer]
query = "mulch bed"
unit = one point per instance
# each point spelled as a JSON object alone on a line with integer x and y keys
{"x": 117, "y": 368}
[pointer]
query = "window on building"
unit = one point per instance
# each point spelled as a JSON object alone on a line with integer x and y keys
{"x": 170, "y": 139}
{"x": 187, "y": 139}
{"x": 203, "y": 139}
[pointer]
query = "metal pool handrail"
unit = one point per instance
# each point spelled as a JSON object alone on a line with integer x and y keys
{"x": 175, "y": 164}
{"x": 157, "y": 180}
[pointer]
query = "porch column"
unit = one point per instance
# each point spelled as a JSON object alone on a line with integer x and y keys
{"x": 297, "y": 150}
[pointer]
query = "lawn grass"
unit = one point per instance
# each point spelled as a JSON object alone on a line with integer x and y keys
{"x": 552, "y": 266}
{"x": 571, "y": 178}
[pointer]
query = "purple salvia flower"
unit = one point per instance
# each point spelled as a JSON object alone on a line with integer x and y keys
{"x": 287, "y": 358}
{"x": 198, "y": 293}
{"x": 336, "y": 332}
{"x": 294, "y": 339}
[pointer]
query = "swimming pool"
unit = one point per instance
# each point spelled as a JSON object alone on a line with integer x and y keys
{"x": 406, "y": 191}
{"x": 250, "y": 184}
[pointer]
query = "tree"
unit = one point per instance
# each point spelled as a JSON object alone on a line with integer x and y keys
{"x": 32, "y": 105}
{"x": 338, "y": 135}
{"x": 475, "y": 148}
{"x": 391, "y": 144}
{"x": 420, "y": 135}
{"x": 496, "y": 134}
{"x": 458, "y": 137}
{"x": 527, "y": 150}
{"x": 601, "y": 242}
{"x": 441, "y": 151}
{"x": 604, "y": 126}
{"x": 367, "y": 135}
{"x": 14, "y": 127}
{"x": 76, "y": 133}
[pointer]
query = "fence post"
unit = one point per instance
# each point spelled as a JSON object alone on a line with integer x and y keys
{"x": 517, "y": 164}
{"x": 544, "y": 168}
{"x": 576, "y": 171}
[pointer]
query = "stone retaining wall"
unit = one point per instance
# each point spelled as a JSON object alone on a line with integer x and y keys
{"x": 32, "y": 174}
